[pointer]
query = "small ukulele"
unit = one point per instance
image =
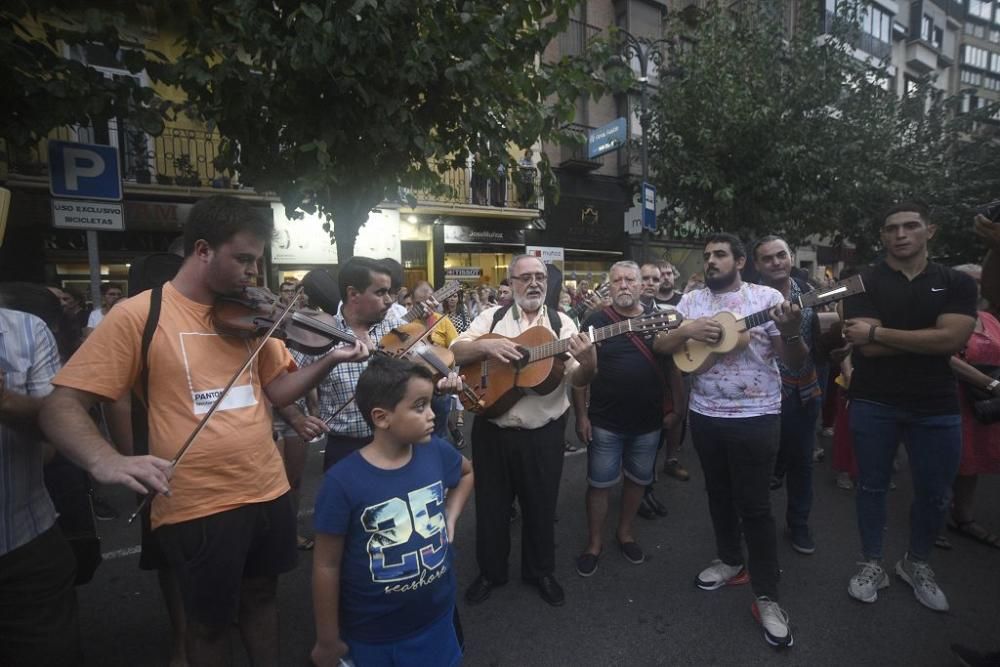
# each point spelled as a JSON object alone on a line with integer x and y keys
{"x": 697, "y": 357}
{"x": 500, "y": 385}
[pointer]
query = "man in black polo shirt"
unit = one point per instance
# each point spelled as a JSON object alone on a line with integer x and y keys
{"x": 913, "y": 317}
{"x": 622, "y": 423}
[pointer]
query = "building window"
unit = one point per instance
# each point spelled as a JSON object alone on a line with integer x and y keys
{"x": 938, "y": 39}
{"x": 926, "y": 28}
{"x": 994, "y": 35}
{"x": 971, "y": 78}
{"x": 982, "y": 9}
{"x": 974, "y": 56}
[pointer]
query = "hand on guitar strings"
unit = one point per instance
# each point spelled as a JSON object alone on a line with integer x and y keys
{"x": 788, "y": 318}
{"x": 453, "y": 384}
{"x": 583, "y": 350}
{"x": 501, "y": 349}
{"x": 704, "y": 329}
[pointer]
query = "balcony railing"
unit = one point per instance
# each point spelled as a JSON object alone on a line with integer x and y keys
{"x": 576, "y": 156}
{"x": 577, "y": 36}
{"x": 179, "y": 156}
{"x": 862, "y": 40}
{"x": 517, "y": 188}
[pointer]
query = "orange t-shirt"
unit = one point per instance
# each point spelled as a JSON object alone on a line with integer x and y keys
{"x": 234, "y": 461}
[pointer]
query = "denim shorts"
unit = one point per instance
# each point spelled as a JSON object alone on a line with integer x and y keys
{"x": 437, "y": 644}
{"x": 609, "y": 452}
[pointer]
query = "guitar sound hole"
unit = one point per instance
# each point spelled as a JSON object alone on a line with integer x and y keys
{"x": 523, "y": 361}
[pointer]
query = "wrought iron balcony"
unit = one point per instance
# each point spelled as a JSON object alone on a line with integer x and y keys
{"x": 511, "y": 188}
{"x": 181, "y": 156}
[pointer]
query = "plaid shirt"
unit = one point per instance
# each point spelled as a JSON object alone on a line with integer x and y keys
{"x": 28, "y": 360}
{"x": 338, "y": 387}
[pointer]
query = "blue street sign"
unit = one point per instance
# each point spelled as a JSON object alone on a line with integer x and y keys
{"x": 84, "y": 171}
{"x": 648, "y": 207}
{"x": 606, "y": 138}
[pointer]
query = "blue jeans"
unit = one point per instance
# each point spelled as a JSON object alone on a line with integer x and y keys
{"x": 609, "y": 452}
{"x": 795, "y": 456}
{"x": 934, "y": 446}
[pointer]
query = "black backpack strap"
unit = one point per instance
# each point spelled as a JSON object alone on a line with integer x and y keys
{"x": 140, "y": 422}
{"x": 497, "y": 316}
{"x": 554, "y": 320}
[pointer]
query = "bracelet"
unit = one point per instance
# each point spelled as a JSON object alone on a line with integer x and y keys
{"x": 871, "y": 333}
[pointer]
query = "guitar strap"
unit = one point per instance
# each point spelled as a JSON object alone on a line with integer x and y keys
{"x": 640, "y": 345}
{"x": 554, "y": 320}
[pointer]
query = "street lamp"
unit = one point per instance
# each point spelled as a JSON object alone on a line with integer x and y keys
{"x": 644, "y": 51}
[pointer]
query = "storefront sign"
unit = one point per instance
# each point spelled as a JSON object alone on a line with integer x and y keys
{"x": 477, "y": 235}
{"x": 546, "y": 254}
{"x": 98, "y": 216}
{"x": 463, "y": 273}
{"x": 303, "y": 240}
{"x": 157, "y": 215}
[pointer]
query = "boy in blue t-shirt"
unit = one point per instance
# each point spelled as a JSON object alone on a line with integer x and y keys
{"x": 383, "y": 580}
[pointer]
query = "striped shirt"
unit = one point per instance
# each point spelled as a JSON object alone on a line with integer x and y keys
{"x": 28, "y": 360}
{"x": 338, "y": 387}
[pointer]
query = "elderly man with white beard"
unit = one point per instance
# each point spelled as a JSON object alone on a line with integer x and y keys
{"x": 520, "y": 453}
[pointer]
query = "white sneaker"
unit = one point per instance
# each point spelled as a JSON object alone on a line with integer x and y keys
{"x": 718, "y": 574}
{"x": 865, "y": 584}
{"x": 774, "y": 620}
{"x": 827, "y": 432}
{"x": 920, "y": 576}
{"x": 844, "y": 481}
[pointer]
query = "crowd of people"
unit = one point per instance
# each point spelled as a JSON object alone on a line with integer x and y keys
{"x": 153, "y": 393}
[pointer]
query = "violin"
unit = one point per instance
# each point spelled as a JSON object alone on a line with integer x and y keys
{"x": 254, "y": 312}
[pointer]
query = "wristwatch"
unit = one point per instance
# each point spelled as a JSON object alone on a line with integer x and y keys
{"x": 791, "y": 339}
{"x": 992, "y": 385}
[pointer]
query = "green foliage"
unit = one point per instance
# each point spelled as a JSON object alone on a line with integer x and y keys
{"x": 41, "y": 90}
{"x": 336, "y": 104}
{"x": 765, "y": 132}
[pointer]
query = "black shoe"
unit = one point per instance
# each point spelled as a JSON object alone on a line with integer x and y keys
{"x": 654, "y": 503}
{"x": 586, "y": 564}
{"x": 645, "y": 511}
{"x": 479, "y": 590}
{"x": 776, "y": 482}
{"x": 102, "y": 510}
{"x": 551, "y": 591}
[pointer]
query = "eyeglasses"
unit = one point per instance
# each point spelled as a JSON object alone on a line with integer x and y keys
{"x": 528, "y": 278}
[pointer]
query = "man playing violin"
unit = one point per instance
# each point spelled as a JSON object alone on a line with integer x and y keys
{"x": 735, "y": 417}
{"x": 223, "y": 515}
{"x": 443, "y": 334}
{"x": 366, "y": 289}
{"x": 520, "y": 453}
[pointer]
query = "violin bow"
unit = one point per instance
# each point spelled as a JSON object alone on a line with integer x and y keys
{"x": 218, "y": 401}
{"x": 402, "y": 352}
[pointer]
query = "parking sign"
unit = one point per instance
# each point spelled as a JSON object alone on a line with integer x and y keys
{"x": 84, "y": 171}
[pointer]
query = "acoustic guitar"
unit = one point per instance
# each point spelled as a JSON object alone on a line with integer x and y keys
{"x": 697, "y": 357}
{"x": 499, "y": 385}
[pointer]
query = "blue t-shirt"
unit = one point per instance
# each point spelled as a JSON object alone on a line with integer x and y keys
{"x": 396, "y": 574}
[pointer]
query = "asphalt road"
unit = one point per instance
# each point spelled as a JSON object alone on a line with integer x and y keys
{"x": 649, "y": 614}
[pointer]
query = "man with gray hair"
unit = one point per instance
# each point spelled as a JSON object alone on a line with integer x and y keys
{"x": 620, "y": 425}
{"x": 520, "y": 453}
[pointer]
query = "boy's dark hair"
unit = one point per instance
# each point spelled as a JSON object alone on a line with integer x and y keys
{"x": 357, "y": 273}
{"x": 735, "y": 244}
{"x": 383, "y": 384}
{"x": 77, "y": 295}
{"x": 219, "y": 218}
{"x": 505, "y": 282}
{"x": 110, "y": 286}
{"x": 909, "y": 206}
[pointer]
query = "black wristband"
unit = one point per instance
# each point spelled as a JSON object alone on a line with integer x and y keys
{"x": 871, "y": 333}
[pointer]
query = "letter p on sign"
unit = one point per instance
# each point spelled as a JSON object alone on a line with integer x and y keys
{"x": 84, "y": 171}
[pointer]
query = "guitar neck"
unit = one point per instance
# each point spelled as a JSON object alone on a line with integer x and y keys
{"x": 557, "y": 347}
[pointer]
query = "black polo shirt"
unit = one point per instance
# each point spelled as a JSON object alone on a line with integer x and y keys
{"x": 921, "y": 382}
{"x": 626, "y": 395}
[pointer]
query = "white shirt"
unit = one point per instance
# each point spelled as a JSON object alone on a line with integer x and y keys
{"x": 533, "y": 410}
{"x": 95, "y": 318}
{"x": 396, "y": 312}
{"x": 743, "y": 383}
